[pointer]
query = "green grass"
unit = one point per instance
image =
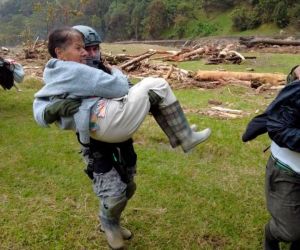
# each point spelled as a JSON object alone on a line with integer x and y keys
{"x": 212, "y": 198}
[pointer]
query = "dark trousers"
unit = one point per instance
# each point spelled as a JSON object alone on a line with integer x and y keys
{"x": 283, "y": 203}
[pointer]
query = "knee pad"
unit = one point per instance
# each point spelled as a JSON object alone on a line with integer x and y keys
{"x": 112, "y": 207}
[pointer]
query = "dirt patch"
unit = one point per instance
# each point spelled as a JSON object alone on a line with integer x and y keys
{"x": 214, "y": 241}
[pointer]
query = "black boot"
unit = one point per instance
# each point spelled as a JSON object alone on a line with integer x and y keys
{"x": 270, "y": 243}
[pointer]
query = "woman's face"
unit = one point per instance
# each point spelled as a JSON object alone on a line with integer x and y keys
{"x": 74, "y": 51}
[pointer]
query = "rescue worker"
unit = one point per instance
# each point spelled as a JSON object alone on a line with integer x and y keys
{"x": 112, "y": 167}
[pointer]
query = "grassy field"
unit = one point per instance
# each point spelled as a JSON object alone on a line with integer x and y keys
{"x": 212, "y": 198}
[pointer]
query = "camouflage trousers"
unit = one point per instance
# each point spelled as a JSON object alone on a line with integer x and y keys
{"x": 113, "y": 194}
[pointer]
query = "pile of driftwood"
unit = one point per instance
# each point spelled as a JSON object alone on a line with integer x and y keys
{"x": 150, "y": 64}
{"x": 212, "y": 54}
{"x": 140, "y": 66}
{"x": 36, "y": 50}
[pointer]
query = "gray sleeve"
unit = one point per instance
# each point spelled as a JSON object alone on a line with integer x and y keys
{"x": 39, "y": 106}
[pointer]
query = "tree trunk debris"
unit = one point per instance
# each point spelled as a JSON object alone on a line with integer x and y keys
{"x": 259, "y": 78}
{"x": 37, "y": 50}
{"x": 254, "y": 41}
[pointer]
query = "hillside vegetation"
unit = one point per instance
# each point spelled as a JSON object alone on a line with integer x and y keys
{"x": 148, "y": 19}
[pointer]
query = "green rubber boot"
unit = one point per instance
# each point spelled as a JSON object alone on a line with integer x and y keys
{"x": 180, "y": 128}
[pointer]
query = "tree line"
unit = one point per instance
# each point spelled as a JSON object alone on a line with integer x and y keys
{"x": 140, "y": 19}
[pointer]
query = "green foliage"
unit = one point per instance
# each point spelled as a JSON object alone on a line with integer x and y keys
{"x": 244, "y": 19}
{"x": 266, "y": 9}
{"x": 144, "y": 19}
{"x": 204, "y": 29}
{"x": 118, "y": 22}
{"x": 281, "y": 14}
{"x": 212, "y": 5}
{"x": 155, "y": 22}
{"x": 295, "y": 17}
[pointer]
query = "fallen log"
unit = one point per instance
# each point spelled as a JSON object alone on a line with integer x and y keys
{"x": 273, "y": 79}
{"x": 250, "y": 42}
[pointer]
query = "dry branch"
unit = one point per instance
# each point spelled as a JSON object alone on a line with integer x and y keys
{"x": 137, "y": 59}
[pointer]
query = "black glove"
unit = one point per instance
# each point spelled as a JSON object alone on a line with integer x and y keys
{"x": 61, "y": 108}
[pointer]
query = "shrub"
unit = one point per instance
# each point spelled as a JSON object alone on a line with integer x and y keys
{"x": 239, "y": 20}
{"x": 204, "y": 29}
{"x": 281, "y": 15}
{"x": 243, "y": 20}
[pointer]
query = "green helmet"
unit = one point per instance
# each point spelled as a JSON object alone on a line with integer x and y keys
{"x": 91, "y": 37}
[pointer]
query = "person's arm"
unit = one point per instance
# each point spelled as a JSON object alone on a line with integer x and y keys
{"x": 61, "y": 108}
{"x": 39, "y": 106}
{"x": 284, "y": 125}
{"x": 46, "y": 112}
{"x": 256, "y": 127}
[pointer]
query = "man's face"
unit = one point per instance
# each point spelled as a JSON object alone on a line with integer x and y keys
{"x": 93, "y": 51}
{"x": 93, "y": 57}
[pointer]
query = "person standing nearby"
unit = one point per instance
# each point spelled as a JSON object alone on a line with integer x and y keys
{"x": 281, "y": 121}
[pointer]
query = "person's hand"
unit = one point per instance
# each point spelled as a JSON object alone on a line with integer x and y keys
{"x": 61, "y": 108}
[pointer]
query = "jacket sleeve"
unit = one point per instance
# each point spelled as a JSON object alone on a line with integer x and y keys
{"x": 105, "y": 85}
{"x": 39, "y": 106}
{"x": 257, "y": 126}
{"x": 284, "y": 125}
